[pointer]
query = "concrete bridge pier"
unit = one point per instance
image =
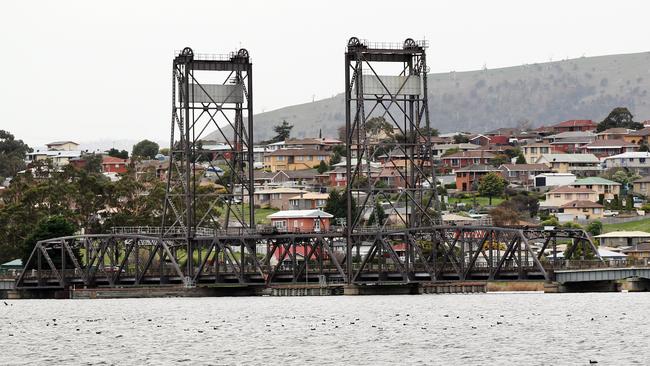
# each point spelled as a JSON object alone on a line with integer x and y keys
{"x": 635, "y": 284}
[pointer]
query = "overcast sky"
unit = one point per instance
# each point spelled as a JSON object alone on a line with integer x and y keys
{"x": 88, "y": 70}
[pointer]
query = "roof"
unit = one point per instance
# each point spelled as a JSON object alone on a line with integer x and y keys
{"x": 642, "y": 132}
{"x": 112, "y": 160}
{"x": 576, "y": 123}
{"x": 609, "y": 143}
{"x": 569, "y": 189}
{"x": 525, "y": 167}
{"x": 624, "y": 234}
{"x": 478, "y": 168}
{"x": 630, "y": 154}
{"x": 582, "y": 204}
{"x": 13, "y": 263}
{"x": 569, "y": 158}
{"x": 469, "y": 154}
{"x": 641, "y": 247}
{"x": 642, "y": 180}
{"x": 615, "y": 130}
{"x": 300, "y": 214}
{"x": 298, "y": 152}
{"x": 572, "y": 134}
{"x": 298, "y": 174}
{"x": 311, "y": 196}
{"x": 305, "y": 141}
{"x": 280, "y": 190}
{"x": 595, "y": 181}
{"x": 61, "y": 143}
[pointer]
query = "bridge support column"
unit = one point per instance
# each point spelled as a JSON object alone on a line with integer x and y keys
{"x": 635, "y": 284}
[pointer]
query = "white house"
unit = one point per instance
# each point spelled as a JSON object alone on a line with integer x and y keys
{"x": 636, "y": 160}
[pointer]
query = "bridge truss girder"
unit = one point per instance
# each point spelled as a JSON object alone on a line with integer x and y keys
{"x": 435, "y": 253}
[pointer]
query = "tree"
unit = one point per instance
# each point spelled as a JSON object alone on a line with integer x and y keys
{"x": 322, "y": 167}
{"x": 619, "y": 117}
{"x": 502, "y": 216}
{"x": 12, "y": 154}
{"x": 337, "y": 205}
{"x": 448, "y": 152}
{"x": 376, "y": 126}
{"x": 500, "y": 159}
{"x": 282, "y": 132}
{"x": 523, "y": 203}
{"x": 145, "y": 149}
{"x": 51, "y": 227}
{"x": 93, "y": 163}
{"x": 491, "y": 185}
{"x": 459, "y": 139}
{"x": 594, "y": 228}
{"x": 122, "y": 154}
{"x": 164, "y": 151}
{"x": 521, "y": 159}
{"x": 378, "y": 216}
{"x": 336, "y": 158}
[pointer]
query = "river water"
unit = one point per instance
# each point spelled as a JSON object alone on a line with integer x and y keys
{"x": 477, "y": 329}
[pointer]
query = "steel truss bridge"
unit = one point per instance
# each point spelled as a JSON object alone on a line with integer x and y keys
{"x": 134, "y": 257}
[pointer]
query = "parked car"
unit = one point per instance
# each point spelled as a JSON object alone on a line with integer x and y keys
{"x": 610, "y": 213}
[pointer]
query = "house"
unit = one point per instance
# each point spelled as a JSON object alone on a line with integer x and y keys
{"x": 616, "y": 133}
{"x": 554, "y": 179}
{"x": 308, "y": 201}
{"x": 277, "y": 198}
{"x": 467, "y": 178}
{"x": 295, "y": 159}
{"x": 609, "y": 147}
{"x": 62, "y": 146}
{"x": 307, "y": 143}
{"x": 605, "y": 187}
{"x": 574, "y": 125}
{"x": 578, "y": 164}
{"x": 638, "y": 161}
{"x": 439, "y": 150}
{"x": 639, "y": 251}
{"x": 639, "y": 137}
{"x": 295, "y": 178}
{"x": 582, "y": 210}
{"x": 523, "y": 174}
{"x": 622, "y": 238}
{"x": 463, "y": 159}
{"x": 479, "y": 139}
{"x": 562, "y": 195}
{"x": 304, "y": 221}
{"x": 570, "y": 142}
{"x": 58, "y": 158}
{"x": 112, "y": 164}
{"x": 641, "y": 186}
{"x": 391, "y": 177}
{"x": 533, "y": 151}
{"x": 155, "y": 167}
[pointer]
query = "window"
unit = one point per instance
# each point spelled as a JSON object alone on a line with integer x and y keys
{"x": 454, "y": 162}
{"x": 310, "y": 158}
{"x": 557, "y": 195}
{"x": 642, "y": 160}
{"x": 280, "y": 224}
{"x": 280, "y": 158}
{"x": 544, "y": 150}
{"x": 321, "y": 158}
{"x": 512, "y": 173}
{"x": 477, "y": 160}
{"x": 299, "y": 158}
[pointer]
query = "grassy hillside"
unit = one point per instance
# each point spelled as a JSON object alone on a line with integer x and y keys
{"x": 583, "y": 88}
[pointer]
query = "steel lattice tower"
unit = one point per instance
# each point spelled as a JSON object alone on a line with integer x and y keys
{"x": 401, "y": 101}
{"x": 210, "y": 92}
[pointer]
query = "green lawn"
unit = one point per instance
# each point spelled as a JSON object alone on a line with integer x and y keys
{"x": 482, "y": 201}
{"x": 641, "y": 225}
{"x": 260, "y": 214}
